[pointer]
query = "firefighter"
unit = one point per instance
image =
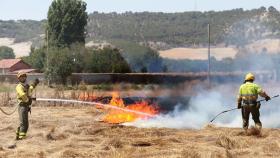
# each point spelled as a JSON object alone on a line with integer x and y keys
{"x": 247, "y": 101}
{"x": 24, "y": 92}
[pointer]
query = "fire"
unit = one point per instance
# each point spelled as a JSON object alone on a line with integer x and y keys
{"x": 116, "y": 100}
{"x": 87, "y": 96}
{"x": 120, "y": 116}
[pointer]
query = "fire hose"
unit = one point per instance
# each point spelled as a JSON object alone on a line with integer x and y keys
{"x": 237, "y": 108}
{"x": 82, "y": 102}
{"x": 94, "y": 103}
{"x": 6, "y": 113}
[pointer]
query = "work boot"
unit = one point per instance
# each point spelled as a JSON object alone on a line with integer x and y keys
{"x": 21, "y": 136}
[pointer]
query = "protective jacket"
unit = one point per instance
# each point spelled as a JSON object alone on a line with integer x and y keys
{"x": 247, "y": 100}
{"x": 24, "y": 91}
{"x": 248, "y": 93}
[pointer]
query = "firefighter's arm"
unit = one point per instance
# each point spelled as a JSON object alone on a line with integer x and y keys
{"x": 262, "y": 93}
{"x": 239, "y": 99}
{"x": 33, "y": 85}
{"x": 22, "y": 94}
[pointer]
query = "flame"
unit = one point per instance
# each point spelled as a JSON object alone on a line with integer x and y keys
{"x": 119, "y": 116}
{"x": 116, "y": 100}
{"x": 87, "y": 96}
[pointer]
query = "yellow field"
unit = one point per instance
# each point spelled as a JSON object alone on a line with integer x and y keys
{"x": 75, "y": 132}
{"x": 20, "y": 49}
{"x": 198, "y": 53}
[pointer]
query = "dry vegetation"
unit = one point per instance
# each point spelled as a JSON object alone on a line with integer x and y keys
{"x": 20, "y": 49}
{"x": 198, "y": 53}
{"x": 269, "y": 45}
{"x": 75, "y": 131}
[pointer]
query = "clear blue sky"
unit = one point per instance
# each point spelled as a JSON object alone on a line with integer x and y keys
{"x": 37, "y": 9}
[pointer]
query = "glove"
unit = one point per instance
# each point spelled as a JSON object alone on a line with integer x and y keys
{"x": 35, "y": 82}
{"x": 239, "y": 106}
{"x": 267, "y": 98}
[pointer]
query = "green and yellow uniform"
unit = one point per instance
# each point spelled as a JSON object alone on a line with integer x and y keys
{"x": 24, "y": 92}
{"x": 247, "y": 100}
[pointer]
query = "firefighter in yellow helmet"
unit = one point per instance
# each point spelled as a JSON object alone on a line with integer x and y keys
{"x": 24, "y": 92}
{"x": 247, "y": 101}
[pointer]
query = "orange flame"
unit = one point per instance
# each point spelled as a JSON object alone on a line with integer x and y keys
{"x": 87, "y": 96}
{"x": 119, "y": 116}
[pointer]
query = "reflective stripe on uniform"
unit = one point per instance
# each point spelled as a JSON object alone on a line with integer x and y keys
{"x": 22, "y": 134}
{"x": 249, "y": 91}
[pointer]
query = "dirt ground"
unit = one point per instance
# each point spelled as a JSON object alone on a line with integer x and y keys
{"x": 74, "y": 131}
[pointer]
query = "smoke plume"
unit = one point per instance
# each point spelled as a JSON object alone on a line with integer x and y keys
{"x": 205, "y": 106}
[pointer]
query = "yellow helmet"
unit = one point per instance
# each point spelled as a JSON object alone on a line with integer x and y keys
{"x": 249, "y": 76}
{"x": 21, "y": 74}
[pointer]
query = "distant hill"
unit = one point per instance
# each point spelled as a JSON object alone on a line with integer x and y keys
{"x": 165, "y": 30}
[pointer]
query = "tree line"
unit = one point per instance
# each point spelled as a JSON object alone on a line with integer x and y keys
{"x": 175, "y": 29}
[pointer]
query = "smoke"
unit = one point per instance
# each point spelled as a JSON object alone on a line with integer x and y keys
{"x": 198, "y": 113}
{"x": 205, "y": 106}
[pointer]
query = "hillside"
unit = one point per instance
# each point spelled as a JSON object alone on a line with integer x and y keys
{"x": 185, "y": 29}
{"x": 20, "y": 48}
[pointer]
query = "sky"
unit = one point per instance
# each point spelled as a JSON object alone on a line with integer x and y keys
{"x": 37, "y": 9}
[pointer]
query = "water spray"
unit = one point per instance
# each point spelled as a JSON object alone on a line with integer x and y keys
{"x": 94, "y": 103}
{"x": 237, "y": 108}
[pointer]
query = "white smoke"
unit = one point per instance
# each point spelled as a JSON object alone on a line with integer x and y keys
{"x": 205, "y": 106}
{"x": 208, "y": 103}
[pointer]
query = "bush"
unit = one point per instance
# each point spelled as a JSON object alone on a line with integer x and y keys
{"x": 107, "y": 60}
{"x": 6, "y": 53}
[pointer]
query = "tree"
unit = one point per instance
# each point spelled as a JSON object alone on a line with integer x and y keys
{"x": 6, "y": 53}
{"x": 66, "y": 22}
{"x": 60, "y": 65}
{"x": 140, "y": 57}
{"x": 107, "y": 60}
{"x": 36, "y": 58}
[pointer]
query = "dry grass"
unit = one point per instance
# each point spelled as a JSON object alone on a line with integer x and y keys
{"x": 20, "y": 49}
{"x": 198, "y": 53}
{"x": 72, "y": 132}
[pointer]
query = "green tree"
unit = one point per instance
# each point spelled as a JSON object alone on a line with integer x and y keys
{"x": 36, "y": 58}
{"x": 60, "y": 65}
{"x": 140, "y": 58}
{"x": 107, "y": 60}
{"x": 66, "y": 22}
{"x": 79, "y": 54}
{"x": 6, "y": 53}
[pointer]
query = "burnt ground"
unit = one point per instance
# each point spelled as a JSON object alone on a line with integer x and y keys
{"x": 74, "y": 131}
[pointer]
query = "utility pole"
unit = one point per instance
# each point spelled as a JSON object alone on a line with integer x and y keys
{"x": 48, "y": 81}
{"x": 209, "y": 68}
